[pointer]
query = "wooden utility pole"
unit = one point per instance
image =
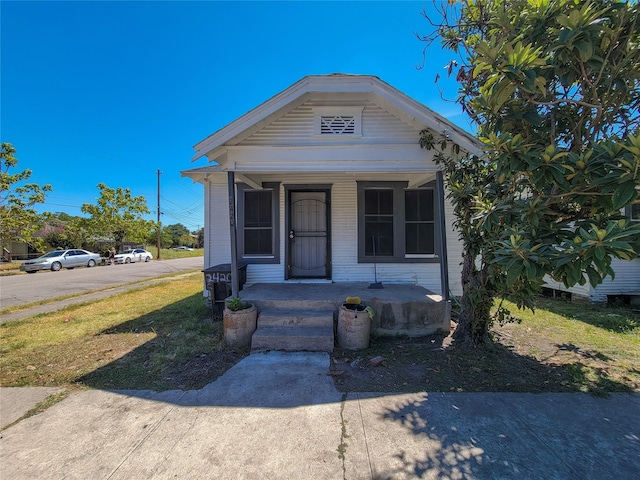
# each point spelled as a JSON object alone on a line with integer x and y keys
{"x": 159, "y": 224}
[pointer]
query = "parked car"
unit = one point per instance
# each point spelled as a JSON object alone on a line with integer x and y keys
{"x": 189, "y": 249}
{"x": 61, "y": 259}
{"x": 133, "y": 255}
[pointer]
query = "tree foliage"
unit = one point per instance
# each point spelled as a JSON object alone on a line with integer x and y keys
{"x": 177, "y": 232}
{"x": 118, "y": 215}
{"x": 554, "y": 89}
{"x": 18, "y": 218}
{"x": 165, "y": 238}
{"x": 61, "y": 230}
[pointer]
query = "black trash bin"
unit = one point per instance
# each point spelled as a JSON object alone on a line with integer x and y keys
{"x": 217, "y": 280}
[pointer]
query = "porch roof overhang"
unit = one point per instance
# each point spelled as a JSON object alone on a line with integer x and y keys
{"x": 254, "y": 178}
{"x": 415, "y": 113}
{"x": 253, "y": 164}
{"x": 201, "y": 174}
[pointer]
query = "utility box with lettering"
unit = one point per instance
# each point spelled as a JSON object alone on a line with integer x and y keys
{"x": 217, "y": 280}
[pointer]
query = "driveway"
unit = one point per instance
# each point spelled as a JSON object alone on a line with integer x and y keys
{"x": 21, "y": 289}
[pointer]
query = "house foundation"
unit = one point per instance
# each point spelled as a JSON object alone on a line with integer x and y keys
{"x": 399, "y": 309}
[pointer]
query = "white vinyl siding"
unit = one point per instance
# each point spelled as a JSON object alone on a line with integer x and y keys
{"x": 217, "y": 221}
{"x": 627, "y": 282}
{"x": 285, "y": 148}
{"x": 579, "y": 290}
{"x": 296, "y": 128}
{"x": 344, "y": 248}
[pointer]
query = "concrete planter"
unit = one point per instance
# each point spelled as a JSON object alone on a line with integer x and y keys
{"x": 354, "y": 327}
{"x": 239, "y": 325}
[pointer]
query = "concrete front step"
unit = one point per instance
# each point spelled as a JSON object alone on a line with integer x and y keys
{"x": 292, "y": 317}
{"x": 293, "y": 338}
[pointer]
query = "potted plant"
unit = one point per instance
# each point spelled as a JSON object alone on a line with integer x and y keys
{"x": 239, "y": 321}
{"x": 354, "y": 324}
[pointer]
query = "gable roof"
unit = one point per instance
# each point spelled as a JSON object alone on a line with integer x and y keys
{"x": 388, "y": 96}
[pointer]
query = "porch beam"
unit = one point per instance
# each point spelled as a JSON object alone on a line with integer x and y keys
{"x": 417, "y": 180}
{"x": 252, "y": 183}
{"x": 231, "y": 183}
{"x": 342, "y": 157}
{"x": 444, "y": 263}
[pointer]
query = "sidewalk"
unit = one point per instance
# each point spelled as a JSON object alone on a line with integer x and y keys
{"x": 278, "y": 416}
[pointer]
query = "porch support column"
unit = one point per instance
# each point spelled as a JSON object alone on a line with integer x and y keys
{"x": 233, "y": 234}
{"x": 444, "y": 264}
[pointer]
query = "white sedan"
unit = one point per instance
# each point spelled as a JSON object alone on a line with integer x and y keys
{"x": 133, "y": 255}
{"x": 61, "y": 258}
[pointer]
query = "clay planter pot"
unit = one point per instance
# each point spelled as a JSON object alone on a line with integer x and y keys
{"x": 354, "y": 327}
{"x": 238, "y": 326}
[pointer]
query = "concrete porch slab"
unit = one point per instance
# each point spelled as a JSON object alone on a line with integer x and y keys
{"x": 399, "y": 308}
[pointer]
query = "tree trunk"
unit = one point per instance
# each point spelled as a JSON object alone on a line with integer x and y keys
{"x": 475, "y": 311}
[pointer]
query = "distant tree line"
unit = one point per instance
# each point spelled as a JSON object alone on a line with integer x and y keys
{"x": 116, "y": 219}
{"x": 60, "y": 230}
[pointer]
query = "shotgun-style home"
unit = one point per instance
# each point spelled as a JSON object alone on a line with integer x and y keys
{"x": 326, "y": 183}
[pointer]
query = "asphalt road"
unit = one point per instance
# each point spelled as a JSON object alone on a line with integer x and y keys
{"x": 28, "y": 288}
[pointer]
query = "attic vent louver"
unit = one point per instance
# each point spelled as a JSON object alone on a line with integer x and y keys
{"x": 337, "y": 125}
{"x": 337, "y": 121}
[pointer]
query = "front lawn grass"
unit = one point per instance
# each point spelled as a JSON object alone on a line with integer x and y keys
{"x": 170, "y": 254}
{"x": 162, "y": 337}
{"x": 10, "y": 268}
{"x": 131, "y": 340}
{"x": 597, "y": 345}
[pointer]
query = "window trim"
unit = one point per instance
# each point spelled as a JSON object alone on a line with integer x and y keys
{"x": 399, "y": 255}
{"x": 432, "y": 188}
{"x": 275, "y": 217}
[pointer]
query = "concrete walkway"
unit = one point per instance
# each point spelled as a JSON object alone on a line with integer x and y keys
{"x": 278, "y": 416}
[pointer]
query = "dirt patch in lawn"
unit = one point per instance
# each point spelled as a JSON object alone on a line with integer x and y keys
{"x": 435, "y": 364}
{"x": 563, "y": 347}
{"x": 201, "y": 370}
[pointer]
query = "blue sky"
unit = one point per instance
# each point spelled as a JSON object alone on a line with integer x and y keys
{"x": 112, "y": 91}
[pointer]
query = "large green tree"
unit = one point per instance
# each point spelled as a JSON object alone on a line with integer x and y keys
{"x": 554, "y": 89}
{"x": 177, "y": 231}
{"x": 118, "y": 215}
{"x": 61, "y": 230}
{"x": 18, "y": 219}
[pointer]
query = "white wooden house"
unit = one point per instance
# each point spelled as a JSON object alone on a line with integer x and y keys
{"x": 625, "y": 285}
{"x": 331, "y": 184}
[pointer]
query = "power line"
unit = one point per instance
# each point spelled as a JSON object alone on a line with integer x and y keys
{"x": 61, "y": 205}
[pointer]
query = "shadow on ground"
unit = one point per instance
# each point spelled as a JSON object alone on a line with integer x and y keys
{"x": 511, "y": 436}
{"x": 433, "y": 364}
{"x": 185, "y": 350}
